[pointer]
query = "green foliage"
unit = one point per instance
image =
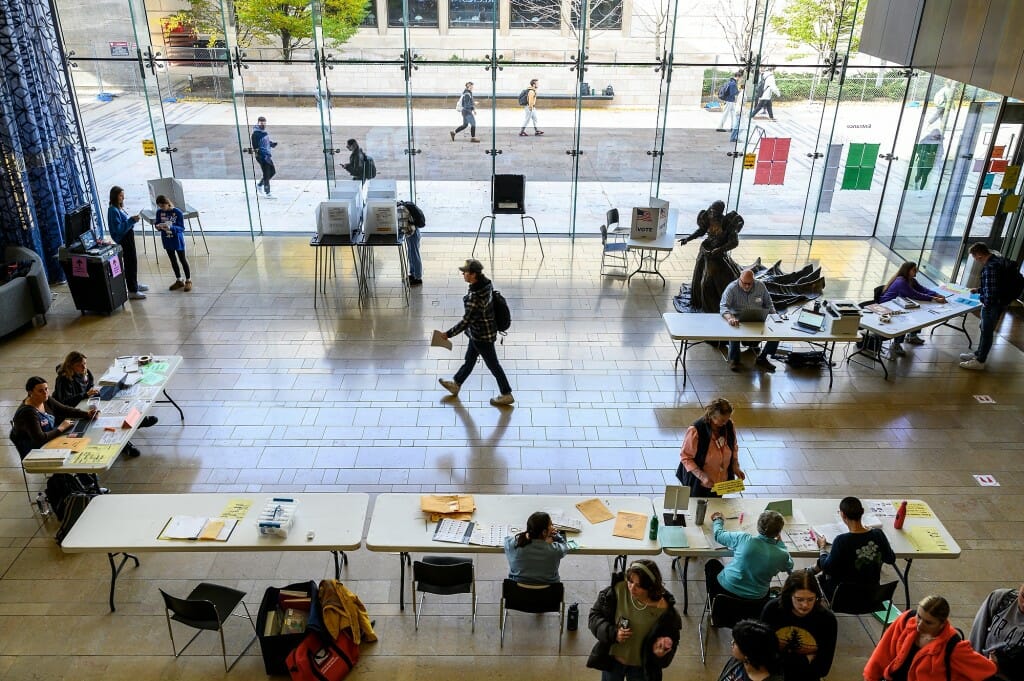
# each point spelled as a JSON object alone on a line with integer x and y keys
{"x": 822, "y": 25}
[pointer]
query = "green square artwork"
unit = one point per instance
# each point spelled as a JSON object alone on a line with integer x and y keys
{"x": 864, "y": 180}
{"x": 851, "y": 177}
{"x": 855, "y": 155}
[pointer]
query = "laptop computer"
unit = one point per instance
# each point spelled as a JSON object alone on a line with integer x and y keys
{"x": 809, "y": 320}
{"x": 752, "y": 314}
{"x": 81, "y": 425}
{"x": 109, "y": 392}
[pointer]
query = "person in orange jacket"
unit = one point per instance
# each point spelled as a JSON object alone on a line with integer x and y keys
{"x": 914, "y": 648}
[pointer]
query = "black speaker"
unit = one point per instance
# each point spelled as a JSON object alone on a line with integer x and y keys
{"x": 508, "y": 194}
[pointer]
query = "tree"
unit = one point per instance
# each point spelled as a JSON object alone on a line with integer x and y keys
{"x": 601, "y": 14}
{"x": 286, "y": 22}
{"x": 739, "y": 28}
{"x": 654, "y": 19}
{"x": 822, "y": 25}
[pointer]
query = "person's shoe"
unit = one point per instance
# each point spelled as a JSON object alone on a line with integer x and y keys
{"x": 142, "y": 287}
{"x": 136, "y": 295}
{"x": 452, "y": 133}
{"x": 973, "y": 364}
{"x": 132, "y": 451}
{"x": 915, "y": 339}
{"x": 734, "y": 365}
{"x": 149, "y": 422}
{"x": 270, "y": 196}
{"x": 474, "y": 139}
{"x": 413, "y": 281}
{"x": 188, "y": 284}
{"x": 502, "y": 400}
{"x": 450, "y": 386}
{"x": 538, "y": 132}
{"x": 771, "y": 120}
{"x": 764, "y": 364}
{"x": 103, "y": 490}
{"x": 967, "y": 356}
{"x": 897, "y": 349}
{"x": 522, "y": 133}
{"x": 176, "y": 285}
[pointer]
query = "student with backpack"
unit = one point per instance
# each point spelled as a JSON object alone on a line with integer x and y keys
{"x": 1001, "y": 284}
{"x": 528, "y": 100}
{"x": 360, "y": 166}
{"x": 414, "y": 221}
{"x": 921, "y": 645}
{"x": 467, "y": 107}
{"x": 727, "y": 94}
{"x": 481, "y": 324}
{"x": 764, "y": 91}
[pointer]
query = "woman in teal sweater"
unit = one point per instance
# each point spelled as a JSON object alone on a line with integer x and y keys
{"x": 755, "y": 560}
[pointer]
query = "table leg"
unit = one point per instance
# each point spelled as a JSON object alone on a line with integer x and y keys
{"x": 316, "y": 273}
{"x": 620, "y": 563}
{"x": 116, "y": 570}
{"x": 403, "y": 557}
{"x": 337, "y": 565}
{"x": 686, "y": 590}
{"x": 686, "y": 348}
{"x": 170, "y": 400}
{"x": 906, "y": 581}
{"x": 962, "y": 328}
{"x": 874, "y": 358}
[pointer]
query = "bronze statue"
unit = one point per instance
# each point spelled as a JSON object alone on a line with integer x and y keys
{"x": 715, "y": 268}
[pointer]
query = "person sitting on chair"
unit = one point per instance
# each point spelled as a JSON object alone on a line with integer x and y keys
{"x": 857, "y": 555}
{"x": 747, "y": 293}
{"x": 804, "y": 626}
{"x": 999, "y": 627}
{"x": 755, "y": 560}
{"x": 534, "y": 555}
{"x": 755, "y": 654}
{"x": 41, "y": 418}
{"x": 904, "y": 284}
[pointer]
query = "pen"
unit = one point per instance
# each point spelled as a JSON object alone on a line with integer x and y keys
{"x": 814, "y": 537}
{"x": 732, "y": 517}
{"x": 741, "y": 518}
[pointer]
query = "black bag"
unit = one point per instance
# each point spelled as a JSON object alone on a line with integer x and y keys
{"x": 414, "y": 213}
{"x": 275, "y": 649}
{"x": 815, "y": 358}
{"x": 502, "y": 313}
{"x": 723, "y": 91}
{"x": 759, "y": 89}
{"x": 572, "y": 618}
{"x": 524, "y": 97}
{"x": 73, "y": 507}
{"x": 62, "y": 486}
{"x": 1010, "y": 281}
{"x": 369, "y": 168}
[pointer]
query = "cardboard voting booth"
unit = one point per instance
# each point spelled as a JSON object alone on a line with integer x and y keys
{"x": 338, "y": 217}
{"x": 381, "y": 214}
{"x": 649, "y": 222}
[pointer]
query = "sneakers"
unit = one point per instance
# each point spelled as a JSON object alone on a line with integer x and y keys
{"x": 188, "y": 285}
{"x": 414, "y": 281}
{"x": 474, "y": 139}
{"x": 141, "y": 287}
{"x": 914, "y": 339}
{"x": 966, "y": 356}
{"x": 502, "y": 400}
{"x": 764, "y": 364}
{"x": 450, "y": 386}
{"x": 973, "y": 364}
{"x": 176, "y": 285}
{"x": 897, "y": 349}
{"x": 136, "y": 295}
{"x": 538, "y": 133}
{"x": 452, "y": 133}
{"x": 132, "y": 451}
{"x": 149, "y": 422}
{"x": 270, "y": 196}
{"x": 522, "y": 133}
{"x": 734, "y": 365}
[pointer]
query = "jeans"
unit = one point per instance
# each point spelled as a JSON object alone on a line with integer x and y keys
{"x": 171, "y": 253}
{"x": 267, "y": 166}
{"x": 728, "y": 115}
{"x": 484, "y": 349}
{"x": 131, "y": 261}
{"x": 468, "y": 121}
{"x": 531, "y": 115}
{"x": 769, "y": 349}
{"x": 765, "y": 104}
{"x": 990, "y": 315}
{"x": 412, "y": 247}
{"x": 623, "y": 672}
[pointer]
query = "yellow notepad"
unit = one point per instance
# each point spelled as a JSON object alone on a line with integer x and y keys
{"x": 594, "y": 511}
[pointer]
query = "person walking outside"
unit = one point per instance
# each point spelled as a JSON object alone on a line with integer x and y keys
{"x": 529, "y": 108}
{"x": 356, "y": 166}
{"x": 479, "y": 325}
{"x": 728, "y": 94}
{"x": 467, "y": 107}
{"x": 764, "y": 92}
{"x": 262, "y": 144}
{"x": 994, "y": 302}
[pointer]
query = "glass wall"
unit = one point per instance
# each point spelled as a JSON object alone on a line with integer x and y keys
{"x": 632, "y": 101}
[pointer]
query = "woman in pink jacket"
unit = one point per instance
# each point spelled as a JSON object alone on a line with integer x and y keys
{"x": 913, "y": 648}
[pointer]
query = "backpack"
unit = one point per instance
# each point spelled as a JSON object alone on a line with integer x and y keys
{"x": 414, "y": 214}
{"x": 68, "y": 496}
{"x": 1009, "y": 280}
{"x": 759, "y": 89}
{"x": 318, "y": 658}
{"x": 723, "y": 91}
{"x": 502, "y": 313}
{"x": 369, "y": 168}
{"x": 524, "y": 97}
{"x": 458, "y": 104}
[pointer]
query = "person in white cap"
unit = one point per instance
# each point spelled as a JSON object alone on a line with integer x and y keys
{"x": 479, "y": 325}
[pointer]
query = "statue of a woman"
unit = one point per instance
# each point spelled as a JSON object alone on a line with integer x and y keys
{"x": 714, "y": 269}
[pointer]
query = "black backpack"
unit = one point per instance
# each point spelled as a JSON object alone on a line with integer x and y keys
{"x": 414, "y": 213}
{"x": 723, "y": 91}
{"x": 524, "y": 97}
{"x": 369, "y": 168}
{"x": 68, "y": 496}
{"x": 759, "y": 89}
{"x": 1009, "y": 280}
{"x": 502, "y": 314}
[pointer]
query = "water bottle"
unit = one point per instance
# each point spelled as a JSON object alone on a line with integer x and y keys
{"x": 901, "y": 515}
{"x": 702, "y": 508}
{"x": 44, "y": 508}
{"x": 653, "y": 534}
{"x": 572, "y": 618}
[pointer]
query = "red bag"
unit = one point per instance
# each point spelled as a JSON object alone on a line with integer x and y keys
{"x": 317, "y": 659}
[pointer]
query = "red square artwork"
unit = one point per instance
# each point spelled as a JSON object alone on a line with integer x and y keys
{"x": 998, "y": 166}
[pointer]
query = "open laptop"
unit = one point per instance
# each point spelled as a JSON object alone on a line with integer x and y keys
{"x": 810, "y": 321}
{"x": 752, "y": 314}
{"x": 81, "y": 425}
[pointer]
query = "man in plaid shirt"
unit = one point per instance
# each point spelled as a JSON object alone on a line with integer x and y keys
{"x": 479, "y": 325}
{"x": 992, "y": 305}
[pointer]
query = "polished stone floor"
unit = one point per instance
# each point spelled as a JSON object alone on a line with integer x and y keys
{"x": 280, "y": 396}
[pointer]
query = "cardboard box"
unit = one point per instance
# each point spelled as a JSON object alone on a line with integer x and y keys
{"x": 338, "y": 217}
{"x": 649, "y": 222}
{"x": 382, "y": 189}
{"x": 381, "y": 217}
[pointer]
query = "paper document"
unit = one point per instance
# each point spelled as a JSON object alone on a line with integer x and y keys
{"x": 236, "y": 508}
{"x": 830, "y": 530}
{"x": 916, "y": 509}
{"x": 630, "y": 525}
{"x": 96, "y": 455}
{"x": 453, "y": 531}
{"x": 112, "y": 437}
{"x": 728, "y": 487}
{"x": 109, "y": 422}
{"x": 927, "y": 539}
{"x": 196, "y": 527}
{"x": 486, "y": 534}
{"x": 594, "y": 511}
{"x": 75, "y": 444}
{"x": 439, "y": 340}
{"x": 672, "y": 537}
{"x": 447, "y": 503}
{"x": 562, "y": 522}
{"x": 799, "y": 538}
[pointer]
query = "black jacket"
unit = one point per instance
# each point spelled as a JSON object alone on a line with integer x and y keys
{"x": 602, "y": 624}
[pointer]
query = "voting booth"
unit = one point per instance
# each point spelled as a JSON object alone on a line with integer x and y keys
{"x": 381, "y": 211}
{"x": 649, "y": 222}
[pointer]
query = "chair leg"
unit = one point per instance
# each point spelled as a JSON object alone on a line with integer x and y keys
{"x": 866, "y": 630}
{"x": 201, "y": 233}
{"x": 473, "y": 596}
{"x": 702, "y": 634}
{"x": 502, "y": 614}
{"x": 561, "y": 622}
{"x": 223, "y": 649}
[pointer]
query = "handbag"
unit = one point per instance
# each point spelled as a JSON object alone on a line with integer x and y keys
{"x": 319, "y": 659}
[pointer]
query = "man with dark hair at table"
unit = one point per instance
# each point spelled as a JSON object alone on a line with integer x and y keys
{"x": 743, "y": 294}
{"x": 857, "y": 555}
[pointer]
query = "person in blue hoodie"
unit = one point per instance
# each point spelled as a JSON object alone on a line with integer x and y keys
{"x": 122, "y": 231}
{"x": 262, "y": 144}
{"x": 171, "y": 223}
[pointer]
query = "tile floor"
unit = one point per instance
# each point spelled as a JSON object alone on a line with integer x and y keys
{"x": 279, "y": 396}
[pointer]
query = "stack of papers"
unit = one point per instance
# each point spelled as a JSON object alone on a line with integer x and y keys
{"x": 450, "y": 506}
{"x": 46, "y": 458}
{"x": 562, "y": 522}
{"x": 480, "y": 534}
{"x": 194, "y": 527}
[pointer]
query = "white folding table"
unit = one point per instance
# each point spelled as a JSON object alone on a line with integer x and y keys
{"x": 650, "y": 251}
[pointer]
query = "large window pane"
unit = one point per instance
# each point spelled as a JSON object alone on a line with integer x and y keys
{"x": 605, "y": 15}
{"x": 472, "y": 13}
{"x": 421, "y": 13}
{"x": 536, "y": 14}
